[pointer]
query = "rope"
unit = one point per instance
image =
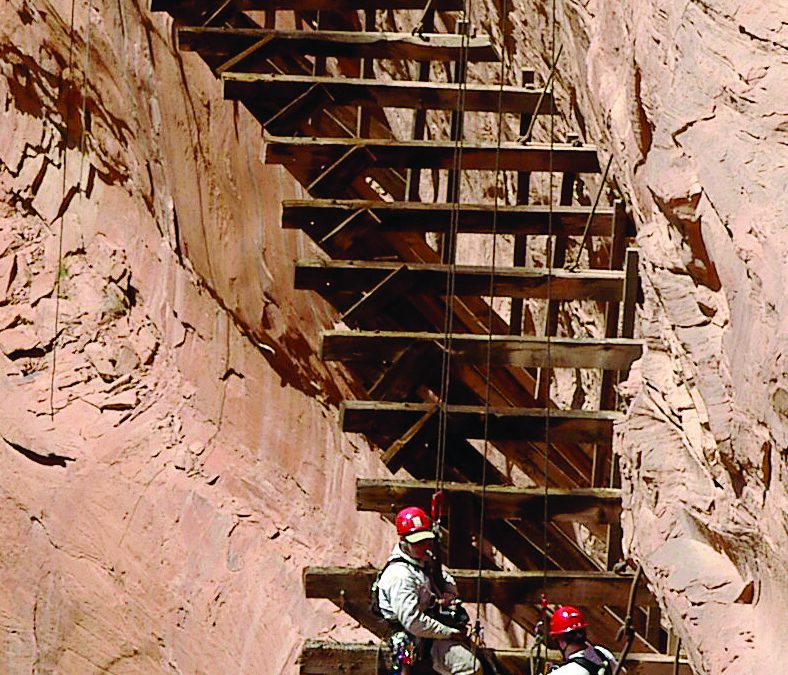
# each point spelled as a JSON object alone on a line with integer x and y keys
{"x": 678, "y": 658}
{"x": 448, "y": 323}
{"x": 549, "y": 263}
{"x": 491, "y": 295}
{"x": 61, "y": 215}
{"x": 587, "y": 228}
{"x": 627, "y": 629}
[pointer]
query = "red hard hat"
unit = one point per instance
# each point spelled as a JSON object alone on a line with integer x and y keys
{"x": 567, "y": 619}
{"x": 414, "y": 525}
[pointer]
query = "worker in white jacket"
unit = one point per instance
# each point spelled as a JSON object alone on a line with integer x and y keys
{"x": 407, "y": 596}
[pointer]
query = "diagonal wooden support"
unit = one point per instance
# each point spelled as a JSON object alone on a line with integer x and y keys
{"x": 245, "y": 54}
{"x": 288, "y": 118}
{"x": 412, "y": 443}
{"x": 383, "y": 294}
{"x": 357, "y": 224}
{"x": 412, "y": 368}
{"x": 351, "y": 163}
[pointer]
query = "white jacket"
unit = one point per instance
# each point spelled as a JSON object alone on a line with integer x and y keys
{"x": 405, "y": 592}
{"x": 573, "y": 668}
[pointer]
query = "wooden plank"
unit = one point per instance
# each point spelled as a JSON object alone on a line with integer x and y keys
{"x": 304, "y": 5}
{"x": 339, "y": 276}
{"x": 380, "y": 94}
{"x": 522, "y": 351}
{"x": 582, "y": 505}
{"x": 586, "y": 589}
{"x": 401, "y": 154}
{"x": 317, "y": 216}
{"x": 320, "y": 657}
{"x": 226, "y": 42}
{"x": 513, "y": 424}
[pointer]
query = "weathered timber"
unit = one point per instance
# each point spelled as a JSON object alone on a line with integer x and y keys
{"x": 225, "y": 42}
{"x": 393, "y": 153}
{"x": 511, "y": 424}
{"x": 339, "y": 276}
{"x": 320, "y": 657}
{"x": 392, "y": 94}
{"x": 586, "y": 505}
{"x": 522, "y": 351}
{"x": 319, "y": 216}
{"x": 303, "y": 5}
{"x": 587, "y": 589}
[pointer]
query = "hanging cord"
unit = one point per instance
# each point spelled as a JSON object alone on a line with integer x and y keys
{"x": 628, "y": 629}
{"x": 527, "y": 135}
{"x": 448, "y": 322}
{"x": 678, "y": 658}
{"x": 548, "y": 371}
{"x": 63, "y": 88}
{"x": 589, "y": 220}
{"x": 490, "y": 315}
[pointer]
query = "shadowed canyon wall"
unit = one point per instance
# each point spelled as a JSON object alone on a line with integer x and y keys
{"x": 171, "y": 456}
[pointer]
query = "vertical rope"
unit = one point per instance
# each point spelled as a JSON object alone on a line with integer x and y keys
{"x": 549, "y": 262}
{"x": 491, "y": 312}
{"x": 67, "y": 128}
{"x": 448, "y": 323}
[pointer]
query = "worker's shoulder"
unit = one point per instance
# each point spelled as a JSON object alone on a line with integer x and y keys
{"x": 399, "y": 568}
{"x": 570, "y": 668}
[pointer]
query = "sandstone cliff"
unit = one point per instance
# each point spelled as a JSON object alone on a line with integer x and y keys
{"x": 171, "y": 455}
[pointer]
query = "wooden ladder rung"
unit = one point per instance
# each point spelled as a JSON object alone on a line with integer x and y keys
{"x": 582, "y": 505}
{"x": 522, "y": 351}
{"x": 226, "y": 42}
{"x": 328, "y": 657}
{"x": 587, "y": 589}
{"x": 393, "y": 153}
{"x": 353, "y": 277}
{"x": 319, "y": 216}
{"x": 510, "y": 424}
{"x": 380, "y": 94}
{"x": 305, "y": 5}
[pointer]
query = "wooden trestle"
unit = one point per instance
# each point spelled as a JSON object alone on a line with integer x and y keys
{"x": 387, "y": 258}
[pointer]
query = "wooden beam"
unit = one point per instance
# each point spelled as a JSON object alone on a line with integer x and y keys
{"x": 521, "y": 351}
{"x": 226, "y": 42}
{"x": 386, "y": 291}
{"x": 513, "y": 424}
{"x": 401, "y": 154}
{"x": 317, "y": 216}
{"x": 340, "y": 276}
{"x": 586, "y": 505}
{"x": 393, "y": 94}
{"x": 586, "y": 589}
{"x": 320, "y": 657}
{"x": 304, "y": 5}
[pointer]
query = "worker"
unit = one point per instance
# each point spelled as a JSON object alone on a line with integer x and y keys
{"x": 410, "y": 600}
{"x": 568, "y": 629}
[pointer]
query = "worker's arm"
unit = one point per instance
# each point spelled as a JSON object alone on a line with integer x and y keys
{"x": 403, "y": 597}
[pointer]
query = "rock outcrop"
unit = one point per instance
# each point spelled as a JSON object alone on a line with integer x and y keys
{"x": 170, "y": 453}
{"x": 171, "y": 456}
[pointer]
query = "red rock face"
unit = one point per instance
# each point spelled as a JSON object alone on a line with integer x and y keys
{"x": 171, "y": 457}
{"x": 689, "y": 99}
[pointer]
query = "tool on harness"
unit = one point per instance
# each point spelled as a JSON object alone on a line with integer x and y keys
{"x": 400, "y": 652}
{"x": 453, "y": 615}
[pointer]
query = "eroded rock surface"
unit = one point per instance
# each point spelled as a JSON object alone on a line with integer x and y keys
{"x": 170, "y": 454}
